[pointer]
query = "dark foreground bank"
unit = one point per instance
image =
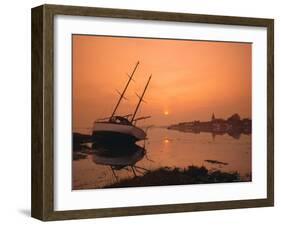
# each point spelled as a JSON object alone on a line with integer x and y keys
{"x": 190, "y": 175}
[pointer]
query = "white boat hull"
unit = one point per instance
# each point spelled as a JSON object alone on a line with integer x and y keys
{"x": 117, "y": 132}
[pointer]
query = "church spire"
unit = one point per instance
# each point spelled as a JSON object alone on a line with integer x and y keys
{"x": 213, "y": 117}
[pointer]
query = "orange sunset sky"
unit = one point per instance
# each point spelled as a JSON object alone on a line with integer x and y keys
{"x": 190, "y": 79}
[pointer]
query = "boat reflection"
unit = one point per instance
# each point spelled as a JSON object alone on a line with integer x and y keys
{"x": 119, "y": 157}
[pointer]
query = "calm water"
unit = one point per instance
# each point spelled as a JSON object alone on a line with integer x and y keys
{"x": 169, "y": 148}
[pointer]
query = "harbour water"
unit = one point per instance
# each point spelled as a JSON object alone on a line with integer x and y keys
{"x": 170, "y": 149}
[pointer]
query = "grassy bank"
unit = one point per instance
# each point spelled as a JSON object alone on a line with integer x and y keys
{"x": 190, "y": 175}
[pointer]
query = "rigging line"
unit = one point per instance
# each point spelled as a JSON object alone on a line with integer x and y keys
{"x": 121, "y": 97}
{"x": 140, "y": 100}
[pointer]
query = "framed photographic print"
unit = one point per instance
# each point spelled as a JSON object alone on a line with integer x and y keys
{"x": 141, "y": 112}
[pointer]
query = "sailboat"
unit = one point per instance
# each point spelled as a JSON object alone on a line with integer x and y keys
{"x": 118, "y": 129}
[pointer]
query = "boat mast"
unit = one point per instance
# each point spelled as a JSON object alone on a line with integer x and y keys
{"x": 140, "y": 100}
{"x": 122, "y": 95}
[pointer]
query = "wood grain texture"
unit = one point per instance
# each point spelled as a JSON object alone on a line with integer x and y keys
{"x": 43, "y": 110}
{"x": 37, "y": 185}
{"x": 270, "y": 111}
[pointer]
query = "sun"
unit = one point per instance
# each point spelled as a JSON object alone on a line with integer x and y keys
{"x": 166, "y": 141}
{"x": 166, "y": 113}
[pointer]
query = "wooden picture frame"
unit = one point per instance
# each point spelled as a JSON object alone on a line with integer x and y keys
{"x": 43, "y": 112}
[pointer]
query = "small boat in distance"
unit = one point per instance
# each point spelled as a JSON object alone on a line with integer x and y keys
{"x": 116, "y": 130}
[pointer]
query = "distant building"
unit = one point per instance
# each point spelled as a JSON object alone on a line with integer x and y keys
{"x": 217, "y": 120}
{"x": 233, "y": 125}
{"x": 213, "y": 117}
{"x": 218, "y": 124}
